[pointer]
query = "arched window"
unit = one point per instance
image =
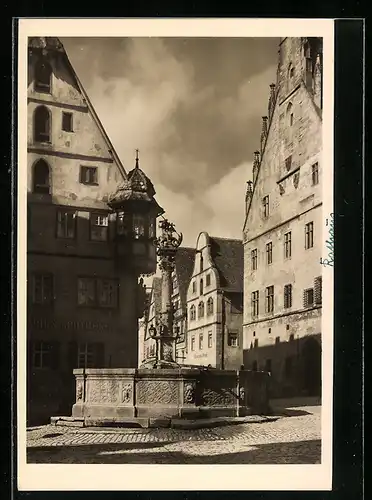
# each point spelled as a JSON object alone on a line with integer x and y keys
{"x": 201, "y": 287}
{"x": 43, "y": 77}
{"x": 41, "y": 181}
{"x": 201, "y": 262}
{"x": 42, "y": 124}
{"x": 192, "y": 312}
{"x": 201, "y": 310}
{"x": 210, "y": 306}
{"x": 290, "y": 114}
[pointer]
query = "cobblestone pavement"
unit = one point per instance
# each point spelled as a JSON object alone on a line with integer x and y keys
{"x": 293, "y": 439}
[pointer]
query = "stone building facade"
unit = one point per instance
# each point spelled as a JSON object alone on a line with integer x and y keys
{"x": 82, "y": 307}
{"x": 180, "y": 282}
{"x": 215, "y": 304}
{"x": 283, "y": 228}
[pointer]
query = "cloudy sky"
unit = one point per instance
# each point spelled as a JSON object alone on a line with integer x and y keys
{"x": 193, "y": 108}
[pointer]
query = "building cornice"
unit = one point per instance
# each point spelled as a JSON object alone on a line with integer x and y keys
{"x": 297, "y": 216}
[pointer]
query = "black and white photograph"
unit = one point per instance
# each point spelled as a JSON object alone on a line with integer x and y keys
{"x": 176, "y": 233}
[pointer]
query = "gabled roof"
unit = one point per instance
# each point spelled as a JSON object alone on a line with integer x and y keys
{"x": 228, "y": 257}
{"x": 54, "y": 44}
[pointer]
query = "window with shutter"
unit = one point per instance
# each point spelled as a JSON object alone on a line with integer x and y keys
{"x": 308, "y": 297}
{"x": 318, "y": 290}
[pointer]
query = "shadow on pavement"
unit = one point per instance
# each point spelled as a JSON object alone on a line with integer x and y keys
{"x": 301, "y": 452}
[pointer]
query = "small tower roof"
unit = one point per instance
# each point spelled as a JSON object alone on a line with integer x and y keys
{"x": 137, "y": 187}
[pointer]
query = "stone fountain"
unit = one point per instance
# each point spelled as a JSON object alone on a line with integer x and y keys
{"x": 161, "y": 390}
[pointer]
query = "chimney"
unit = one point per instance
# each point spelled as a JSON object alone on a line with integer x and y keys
{"x": 263, "y": 132}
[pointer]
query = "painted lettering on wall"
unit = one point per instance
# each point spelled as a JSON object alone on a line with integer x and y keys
{"x": 329, "y": 222}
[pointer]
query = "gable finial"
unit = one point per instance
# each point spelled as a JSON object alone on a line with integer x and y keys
{"x": 137, "y": 158}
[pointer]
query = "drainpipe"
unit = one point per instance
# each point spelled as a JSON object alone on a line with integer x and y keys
{"x": 223, "y": 317}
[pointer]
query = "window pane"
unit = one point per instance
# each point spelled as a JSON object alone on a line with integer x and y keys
{"x": 107, "y": 293}
{"x": 86, "y": 291}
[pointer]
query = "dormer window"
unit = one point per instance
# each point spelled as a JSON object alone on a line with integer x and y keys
{"x": 43, "y": 77}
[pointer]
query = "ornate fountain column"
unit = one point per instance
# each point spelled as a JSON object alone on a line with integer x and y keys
{"x": 166, "y": 249}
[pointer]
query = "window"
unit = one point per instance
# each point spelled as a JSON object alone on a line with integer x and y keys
{"x": 265, "y": 204}
{"x": 291, "y": 71}
{"x": 41, "y": 355}
{"x": 232, "y": 339}
{"x": 268, "y": 365}
{"x": 277, "y": 340}
{"x": 210, "y": 340}
{"x": 98, "y": 227}
{"x": 66, "y": 224}
{"x": 201, "y": 287}
{"x": 85, "y": 356}
{"x": 98, "y": 292}
{"x": 201, "y": 310}
{"x": 270, "y": 299}
{"x": 41, "y": 182}
{"x": 107, "y": 291}
{"x": 288, "y": 245}
{"x": 269, "y": 253}
{"x": 193, "y": 287}
{"x": 269, "y": 331}
{"x": 43, "y": 77}
{"x": 42, "y": 289}
{"x": 192, "y": 313}
{"x": 67, "y": 122}
{"x": 255, "y": 303}
{"x": 309, "y": 235}
{"x": 209, "y": 306}
{"x": 201, "y": 263}
{"x": 208, "y": 280}
{"x": 287, "y": 296}
{"x": 152, "y": 228}
{"x": 290, "y": 114}
{"x": 315, "y": 174}
{"x": 309, "y": 297}
{"x": 123, "y": 223}
{"x": 89, "y": 175}
{"x": 201, "y": 341}
{"x": 318, "y": 290}
{"x": 255, "y": 343}
{"x": 193, "y": 343}
{"x": 288, "y": 162}
{"x": 42, "y": 124}
{"x": 254, "y": 334}
{"x": 254, "y": 259}
{"x": 138, "y": 226}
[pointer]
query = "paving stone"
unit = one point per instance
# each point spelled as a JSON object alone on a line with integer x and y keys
{"x": 294, "y": 439}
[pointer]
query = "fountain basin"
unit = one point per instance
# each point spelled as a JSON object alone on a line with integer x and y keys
{"x": 120, "y": 395}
